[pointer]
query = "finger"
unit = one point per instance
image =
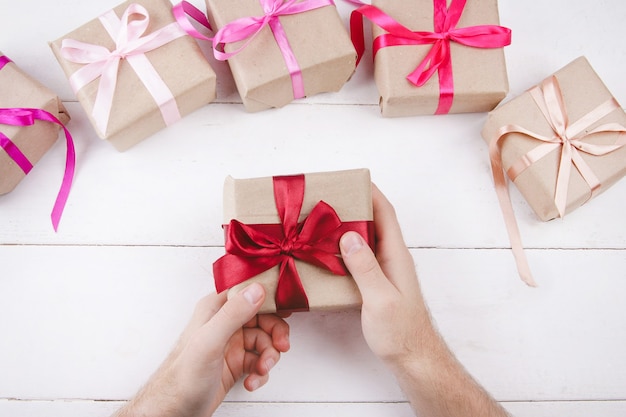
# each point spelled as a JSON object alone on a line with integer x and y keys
{"x": 266, "y": 355}
{"x": 364, "y": 267}
{"x": 234, "y": 314}
{"x": 278, "y": 328}
{"x": 255, "y": 381}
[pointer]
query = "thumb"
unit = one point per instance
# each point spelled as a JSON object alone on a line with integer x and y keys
{"x": 363, "y": 266}
{"x": 236, "y": 312}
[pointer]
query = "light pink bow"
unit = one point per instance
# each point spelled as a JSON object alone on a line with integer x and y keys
{"x": 131, "y": 45}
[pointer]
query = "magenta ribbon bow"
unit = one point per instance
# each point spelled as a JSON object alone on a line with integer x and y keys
{"x": 438, "y": 60}
{"x": 27, "y": 117}
{"x": 131, "y": 45}
{"x": 247, "y": 28}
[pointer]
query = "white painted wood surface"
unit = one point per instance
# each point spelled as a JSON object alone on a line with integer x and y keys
{"x": 87, "y": 314}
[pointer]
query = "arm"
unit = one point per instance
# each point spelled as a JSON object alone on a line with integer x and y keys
{"x": 398, "y": 328}
{"x": 223, "y": 341}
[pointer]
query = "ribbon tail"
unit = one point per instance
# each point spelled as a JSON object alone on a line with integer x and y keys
{"x": 66, "y": 184}
{"x": 290, "y": 294}
{"x": 504, "y": 198}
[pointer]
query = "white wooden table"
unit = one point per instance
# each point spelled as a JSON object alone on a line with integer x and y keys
{"x": 87, "y": 314}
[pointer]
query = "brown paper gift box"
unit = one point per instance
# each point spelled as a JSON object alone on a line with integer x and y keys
{"x": 318, "y": 38}
{"x": 135, "y": 115}
{"x": 17, "y": 89}
{"x": 480, "y": 76}
{"x": 582, "y": 91}
{"x": 251, "y": 201}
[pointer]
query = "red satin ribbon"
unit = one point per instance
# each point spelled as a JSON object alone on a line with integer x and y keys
{"x": 253, "y": 249}
{"x": 27, "y": 117}
{"x": 568, "y": 137}
{"x": 438, "y": 58}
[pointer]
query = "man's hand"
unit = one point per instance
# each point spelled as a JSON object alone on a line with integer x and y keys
{"x": 398, "y": 328}
{"x": 223, "y": 341}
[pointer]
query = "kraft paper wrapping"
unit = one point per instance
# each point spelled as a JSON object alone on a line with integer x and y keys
{"x": 582, "y": 91}
{"x": 348, "y": 192}
{"x": 480, "y": 76}
{"x": 320, "y": 43}
{"x": 18, "y": 89}
{"x": 135, "y": 115}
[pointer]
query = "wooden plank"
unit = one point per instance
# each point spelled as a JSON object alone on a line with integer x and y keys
{"x": 83, "y": 408}
{"x": 94, "y": 322}
{"x": 167, "y": 190}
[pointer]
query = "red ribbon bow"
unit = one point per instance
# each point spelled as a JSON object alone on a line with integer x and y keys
{"x": 253, "y": 249}
{"x": 438, "y": 58}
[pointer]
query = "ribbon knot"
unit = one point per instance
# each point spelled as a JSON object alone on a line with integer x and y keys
{"x": 253, "y": 249}
{"x": 438, "y": 59}
{"x": 566, "y": 136}
{"x": 131, "y": 44}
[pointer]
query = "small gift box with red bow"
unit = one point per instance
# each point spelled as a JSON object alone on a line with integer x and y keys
{"x": 23, "y": 144}
{"x": 135, "y": 71}
{"x": 435, "y": 58}
{"x": 281, "y": 50}
{"x": 561, "y": 143}
{"x": 284, "y": 232}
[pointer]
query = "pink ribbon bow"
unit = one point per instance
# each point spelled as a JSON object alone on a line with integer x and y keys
{"x": 131, "y": 45}
{"x": 438, "y": 60}
{"x": 27, "y": 117}
{"x": 567, "y": 136}
{"x": 247, "y": 28}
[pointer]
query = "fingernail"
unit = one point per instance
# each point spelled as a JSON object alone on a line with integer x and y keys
{"x": 253, "y": 293}
{"x": 351, "y": 242}
{"x": 254, "y": 384}
{"x": 269, "y": 364}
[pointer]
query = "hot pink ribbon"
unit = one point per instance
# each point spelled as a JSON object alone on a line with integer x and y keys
{"x": 247, "y": 28}
{"x": 3, "y": 61}
{"x": 185, "y": 10}
{"x": 438, "y": 60}
{"x": 27, "y": 117}
{"x": 131, "y": 45}
{"x": 567, "y": 136}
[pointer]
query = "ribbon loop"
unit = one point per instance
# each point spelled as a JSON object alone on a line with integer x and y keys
{"x": 131, "y": 45}
{"x": 569, "y": 138}
{"x": 438, "y": 59}
{"x": 253, "y": 249}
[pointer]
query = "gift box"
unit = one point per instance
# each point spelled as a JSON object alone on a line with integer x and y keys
{"x": 294, "y": 254}
{"x": 536, "y": 176}
{"x": 19, "y": 90}
{"x": 469, "y": 78}
{"x": 295, "y": 53}
{"x": 134, "y": 80}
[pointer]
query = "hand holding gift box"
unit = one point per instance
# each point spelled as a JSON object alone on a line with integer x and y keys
{"x": 30, "y": 118}
{"x": 135, "y": 71}
{"x": 462, "y": 43}
{"x": 281, "y": 50}
{"x": 284, "y": 233}
{"x": 561, "y": 143}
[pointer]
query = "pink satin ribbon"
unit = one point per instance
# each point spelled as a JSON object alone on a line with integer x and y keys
{"x": 185, "y": 10}
{"x": 3, "y": 61}
{"x": 131, "y": 45}
{"x": 438, "y": 60}
{"x": 567, "y": 136}
{"x": 247, "y": 28}
{"x": 27, "y": 117}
